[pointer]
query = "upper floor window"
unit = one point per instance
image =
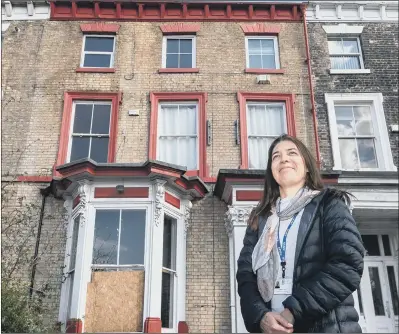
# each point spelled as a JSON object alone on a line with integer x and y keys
{"x": 178, "y": 130}
{"x": 262, "y": 52}
{"x": 178, "y": 134}
{"x": 98, "y": 51}
{"x": 265, "y": 122}
{"x": 345, "y": 53}
{"x": 88, "y": 128}
{"x": 178, "y": 52}
{"x": 359, "y": 135}
{"x": 263, "y": 117}
{"x": 90, "y": 131}
{"x": 356, "y": 136}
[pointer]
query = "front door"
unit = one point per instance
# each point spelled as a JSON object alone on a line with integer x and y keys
{"x": 375, "y": 297}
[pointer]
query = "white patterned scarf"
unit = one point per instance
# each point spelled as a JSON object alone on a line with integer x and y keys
{"x": 265, "y": 257}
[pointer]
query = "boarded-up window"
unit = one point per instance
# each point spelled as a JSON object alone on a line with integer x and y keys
{"x": 115, "y": 295}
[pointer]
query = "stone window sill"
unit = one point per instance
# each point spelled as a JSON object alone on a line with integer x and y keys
{"x": 95, "y": 70}
{"x": 360, "y": 71}
{"x": 264, "y": 71}
{"x": 178, "y": 70}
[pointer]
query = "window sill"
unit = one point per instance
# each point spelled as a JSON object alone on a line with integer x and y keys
{"x": 178, "y": 70}
{"x": 264, "y": 71}
{"x": 360, "y": 71}
{"x": 95, "y": 70}
{"x": 366, "y": 170}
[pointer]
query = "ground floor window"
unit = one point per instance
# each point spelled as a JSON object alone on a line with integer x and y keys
{"x": 119, "y": 237}
{"x": 168, "y": 272}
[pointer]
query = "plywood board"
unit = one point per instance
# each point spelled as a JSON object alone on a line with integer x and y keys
{"x": 115, "y": 302}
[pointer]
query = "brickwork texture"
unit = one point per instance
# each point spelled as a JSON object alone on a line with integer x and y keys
{"x": 379, "y": 43}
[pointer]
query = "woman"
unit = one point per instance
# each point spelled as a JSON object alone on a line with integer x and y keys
{"x": 305, "y": 249}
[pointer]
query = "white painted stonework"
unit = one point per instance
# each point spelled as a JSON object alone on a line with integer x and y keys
{"x": 353, "y": 11}
{"x": 155, "y": 207}
{"x": 15, "y": 10}
{"x": 236, "y": 225}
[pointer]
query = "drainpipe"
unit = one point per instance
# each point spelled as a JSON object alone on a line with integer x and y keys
{"x": 316, "y": 135}
{"x": 44, "y": 192}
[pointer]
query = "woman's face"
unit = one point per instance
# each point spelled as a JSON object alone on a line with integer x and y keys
{"x": 288, "y": 166}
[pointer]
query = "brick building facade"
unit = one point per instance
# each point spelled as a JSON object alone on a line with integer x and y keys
{"x": 42, "y": 97}
{"x": 362, "y": 78}
{"x": 219, "y": 61}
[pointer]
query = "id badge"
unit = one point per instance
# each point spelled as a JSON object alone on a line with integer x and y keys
{"x": 283, "y": 286}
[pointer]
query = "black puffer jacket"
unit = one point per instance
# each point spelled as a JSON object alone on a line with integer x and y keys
{"x": 328, "y": 268}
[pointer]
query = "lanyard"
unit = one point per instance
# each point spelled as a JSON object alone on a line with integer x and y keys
{"x": 282, "y": 247}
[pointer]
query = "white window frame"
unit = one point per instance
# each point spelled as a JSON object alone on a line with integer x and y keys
{"x": 346, "y": 31}
{"x": 177, "y": 261}
{"x": 152, "y": 252}
{"x": 194, "y": 49}
{"x": 382, "y": 144}
{"x": 265, "y": 103}
{"x": 359, "y": 55}
{"x": 72, "y": 134}
{"x": 180, "y": 103}
{"x": 112, "y": 54}
{"x": 276, "y": 50}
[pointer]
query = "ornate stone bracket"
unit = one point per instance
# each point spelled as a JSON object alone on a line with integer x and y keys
{"x": 66, "y": 212}
{"x": 159, "y": 201}
{"x": 236, "y": 216}
{"x": 83, "y": 193}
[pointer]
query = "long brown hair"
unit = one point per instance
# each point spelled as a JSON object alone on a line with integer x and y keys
{"x": 271, "y": 190}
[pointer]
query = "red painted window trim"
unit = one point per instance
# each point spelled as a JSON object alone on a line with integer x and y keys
{"x": 69, "y": 98}
{"x": 129, "y": 192}
{"x": 201, "y": 99}
{"x": 34, "y": 178}
{"x": 95, "y": 70}
{"x": 260, "y": 29}
{"x": 172, "y": 200}
{"x": 244, "y": 97}
{"x": 264, "y": 71}
{"x": 180, "y": 28}
{"x": 178, "y": 70}
{"x": 248, "y": 195}
{"x": 99, "y": 27}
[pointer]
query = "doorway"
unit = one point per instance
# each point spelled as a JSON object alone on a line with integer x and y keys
{"x": 377, "y": 298}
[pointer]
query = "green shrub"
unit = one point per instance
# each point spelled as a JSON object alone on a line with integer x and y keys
{"x": 19, "y": 312}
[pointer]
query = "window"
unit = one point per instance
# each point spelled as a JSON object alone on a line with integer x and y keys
{"x": 89, "y": 125}
{"x": 178, "y": 130}
{"x": 90, "y": 131}
{"x": 359, "y": 135}
{"x": 356, "y": 136}
{"x": 127, "y": 254}
{"x": 262, "y": 52}
{"x": 98, "y": 51}
{"x": 345, "y": 53}
{"x": 377, "y": 244}
{"x": 119, "y": 237}
{"x": 178, "y": 134}
{"x": 168, "y": 272}
{"x": 178, "y": 52}
{"x": 263, "y": 117}
{"x": 265, "y": 122}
